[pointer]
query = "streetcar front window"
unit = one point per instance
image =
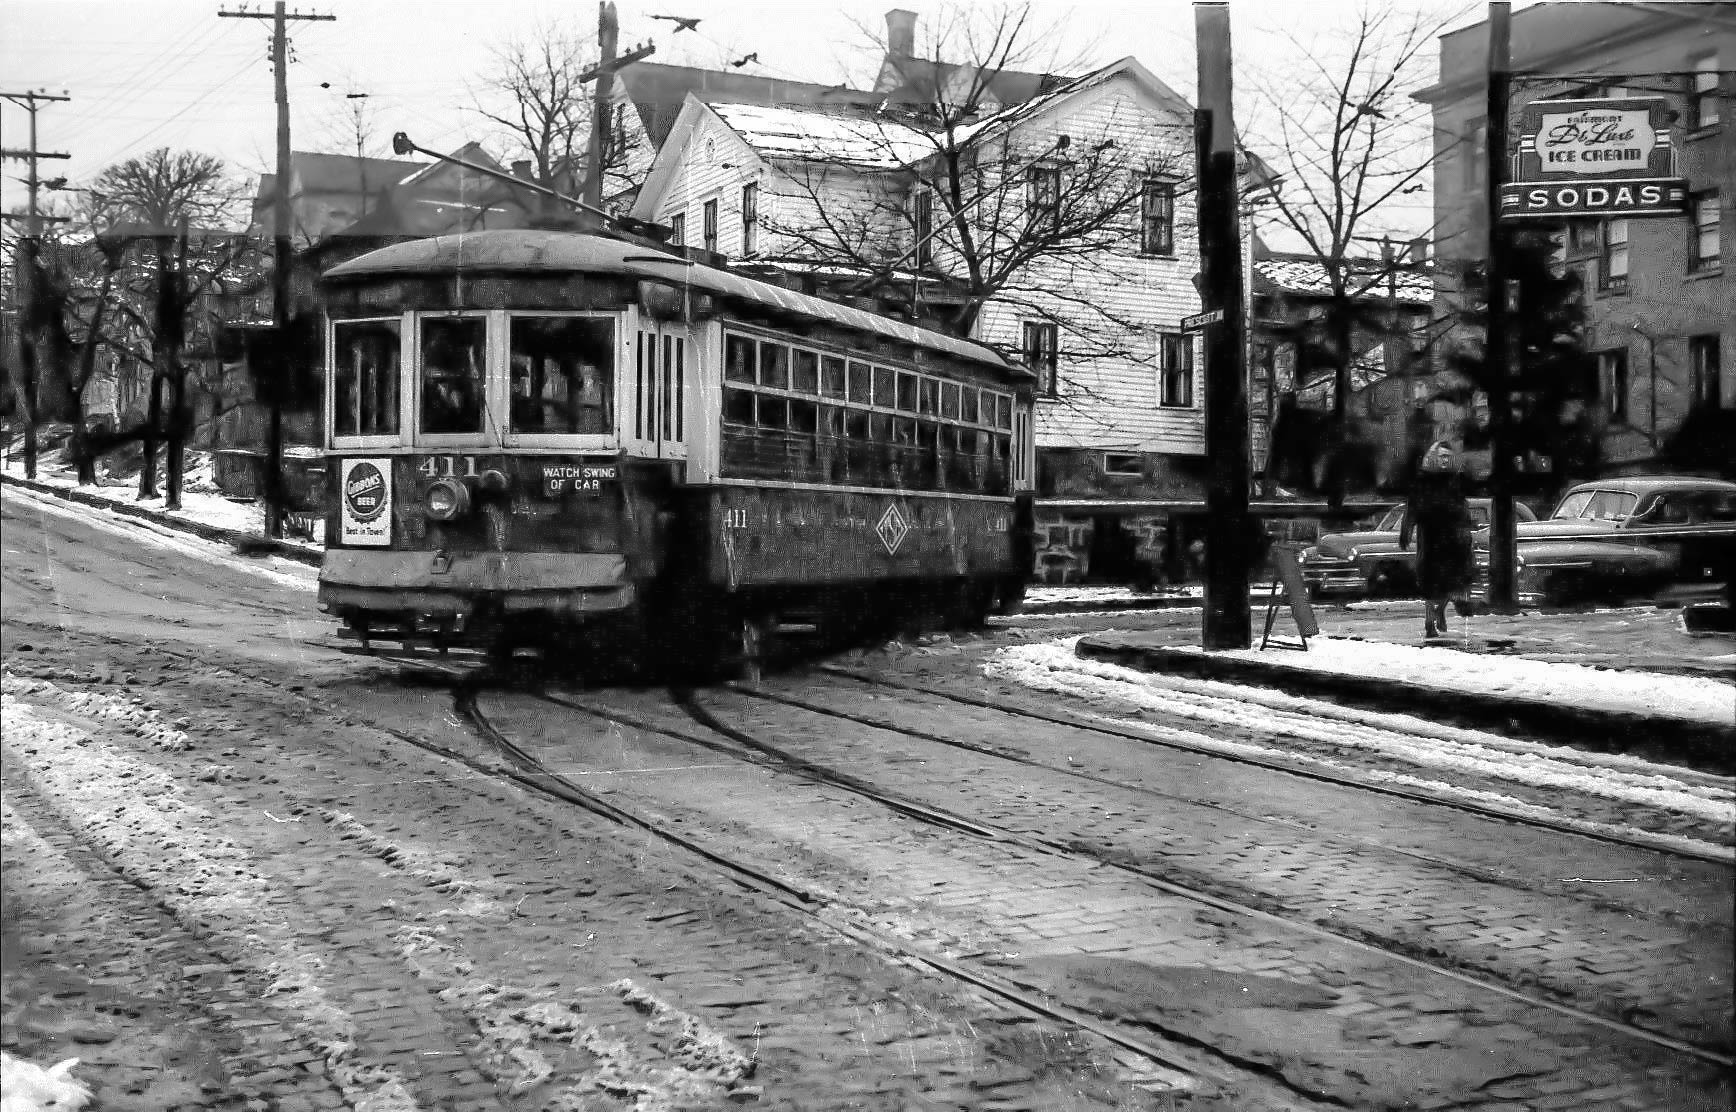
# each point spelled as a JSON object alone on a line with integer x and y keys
{"x": 453, "y": 360}
{"x": 365, "y": 376}
{"x": 563, "y": 375}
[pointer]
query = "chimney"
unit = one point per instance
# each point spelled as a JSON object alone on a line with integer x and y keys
{"x": 901, "y": 33}
{"x": 1419, "y": 249}
{"x": 521, "y": 169}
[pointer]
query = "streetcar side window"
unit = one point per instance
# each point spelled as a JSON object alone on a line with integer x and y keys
{"x": 453, "y": 360}
{"x": 805, "y": 372}
{"x": 563, "y": 375}
{"x": 832, "y": 377}
{"x": 366, "y": 378}
{"x": 738, "y": 359}
{"x": 774, "y": 366}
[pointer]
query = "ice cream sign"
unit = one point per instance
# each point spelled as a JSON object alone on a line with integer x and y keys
{"x": 1594, "y": 157}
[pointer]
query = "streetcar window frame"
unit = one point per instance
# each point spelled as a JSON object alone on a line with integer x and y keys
{"x": 393, "y": 439}
{"x": 500, "y": 382}
{"x": 488, "y": 432}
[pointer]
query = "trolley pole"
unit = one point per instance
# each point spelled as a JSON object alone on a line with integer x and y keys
{"x": 1497, "y": 344}
{"x": 281, "y": 259}
{"x": 1225, "y": 622}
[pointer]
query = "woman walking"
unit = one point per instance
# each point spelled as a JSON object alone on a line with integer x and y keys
{"x": 1438, "y": 514}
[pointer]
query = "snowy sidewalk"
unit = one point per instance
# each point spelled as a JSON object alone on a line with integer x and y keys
{"x": 1690, "y": 716}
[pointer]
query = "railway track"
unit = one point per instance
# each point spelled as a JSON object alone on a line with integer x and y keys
{"x": 1173, "y": 740}
{"x": 717, "y": 736}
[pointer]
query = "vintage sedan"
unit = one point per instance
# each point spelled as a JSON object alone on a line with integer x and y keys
{"x": 1370, "y": 563}
{"x": 1625, "y": 538}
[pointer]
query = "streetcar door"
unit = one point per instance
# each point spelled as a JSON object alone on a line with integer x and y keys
{"x": 660, "y": 391}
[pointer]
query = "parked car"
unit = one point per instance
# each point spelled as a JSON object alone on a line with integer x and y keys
{"x": 1616, "y": 539}
{"x": 1370, "y": 563}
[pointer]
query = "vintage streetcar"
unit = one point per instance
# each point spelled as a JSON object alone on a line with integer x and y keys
{"x": 561, "y": 443}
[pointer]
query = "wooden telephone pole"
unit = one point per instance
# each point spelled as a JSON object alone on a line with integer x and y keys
{"x": 281, "y": 256}
{"x": 1497, "y": 345}
{"x": 602, "y": 107}
{"x": 24, "y": 268}
{"x": 1225, "y": 622}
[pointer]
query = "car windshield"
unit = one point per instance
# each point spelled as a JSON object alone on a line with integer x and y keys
{"x": 1596, "y": 505}
{"x": 1391, "y": 522}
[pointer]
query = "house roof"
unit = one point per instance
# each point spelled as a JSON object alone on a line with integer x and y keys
{"x": 659, "y": 91}
{"x": 342, "y": 173}
{"x": 1307, "y": 275}
{"x": 814, "y": 135}
{"x": 525, "y": 251}
{"x": 918, "y": 79}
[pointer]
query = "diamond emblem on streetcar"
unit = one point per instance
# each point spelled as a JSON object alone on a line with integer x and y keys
{"x": 892, "y": 529}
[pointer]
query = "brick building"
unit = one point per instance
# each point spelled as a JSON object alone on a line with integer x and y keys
{"x": 1660, "y": 291}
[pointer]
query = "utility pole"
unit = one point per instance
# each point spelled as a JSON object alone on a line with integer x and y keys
{"x": 1497, "y": 344}
{"x": 280, "y": 259}
{"x": 1225, "y": 622}
{"x": 24, "y": 268}
{"x": 608, "y": 32}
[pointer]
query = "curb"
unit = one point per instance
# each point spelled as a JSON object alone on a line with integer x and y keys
{"x": 254, "y": 543}
{"x": 1703, "y": 745}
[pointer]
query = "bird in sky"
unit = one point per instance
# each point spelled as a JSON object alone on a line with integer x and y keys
{"x": 745, "y": 61}
{"x": 682, "y": 23}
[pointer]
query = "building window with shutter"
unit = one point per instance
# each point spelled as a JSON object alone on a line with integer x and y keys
{"x": 1043, "y": 196}
{"x": 1705, "y": 98}
{"x": 1612, "y": 378}
{"x": 1612, "y": 271}
{"x": 1042, "y": 355}
{"x": 1704, "y": 367}
{"x": 1175, "y": 370}
{"x": 710, "y": 225}
{"x": 678, "y": 229}
{"x": 1157, "y": 218}
{"x": 922, "y": 226}
{"x": 1703, "y": 244}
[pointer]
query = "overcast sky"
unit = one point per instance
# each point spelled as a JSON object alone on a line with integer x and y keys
{"x": 150, "y": 73}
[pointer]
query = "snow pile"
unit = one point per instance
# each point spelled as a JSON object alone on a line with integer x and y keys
{"x": 136, "y": 817}
{"x": 1400, "y": 739}
{"x": 475, "y": 898}
{"x": 127, "y": 714}
{"x": 1585, "y": 686}
{"x": 522, "y": 1029}
{"x": 27, "y": 1087}
{"x": 1040, "y": 596}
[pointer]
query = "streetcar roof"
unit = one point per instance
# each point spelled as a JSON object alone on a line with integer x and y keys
{"x": 530, "y": 251}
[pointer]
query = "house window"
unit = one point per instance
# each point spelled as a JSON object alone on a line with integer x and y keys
{"x": 1581, "y": 236}
{"x": 1121, "y": 463}
{"x": 1157, "y": 218}
{"x": 1704, "y": 360}
{"x": 1612, "y": 268}
{"x": 1041, "y": 355}
{"x": 1612, "y": 376}
{"x": 678, "y": 229}
{"x": 1175, "y": 370}
{"x": 710, "y": 218}
{"x": 1043, "y": 187}
{"x": 749, "y": 218}
{"x": 1703, "y": 238}
{"x": 1704, "y": 96}
{"x": 922, "y": 225}
{"x": 1476, "y": 143}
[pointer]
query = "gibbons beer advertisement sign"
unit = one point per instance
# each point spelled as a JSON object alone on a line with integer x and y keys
{"x": 1602, "y": 157}
{"x": 365, "y": 502}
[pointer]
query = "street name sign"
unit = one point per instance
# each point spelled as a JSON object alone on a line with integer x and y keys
{"x": 1607, "y": 156}
{"x": 1199, "y": 320}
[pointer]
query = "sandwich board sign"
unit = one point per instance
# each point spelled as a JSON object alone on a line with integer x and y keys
{"x": 1601, "y": 156}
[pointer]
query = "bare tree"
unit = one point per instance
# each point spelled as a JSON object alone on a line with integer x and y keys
{"x": 964, "y": 204}
{"x": 1349, "y": 142}
{"x": 537, "y": 99}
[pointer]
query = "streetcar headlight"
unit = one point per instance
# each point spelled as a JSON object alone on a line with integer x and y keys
{"x": 446, "y": 499}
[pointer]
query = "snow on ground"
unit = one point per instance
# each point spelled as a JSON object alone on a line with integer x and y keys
{"x": 1104, "y": 595}
{"x": 1400, "y": 739}
{"x": 1690, "y": 698}
{"x": 284, "y": 573}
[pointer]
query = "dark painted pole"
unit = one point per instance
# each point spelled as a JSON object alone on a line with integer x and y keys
{"x": 1498, "y": 346}
{"x": 1225, "y": 622}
